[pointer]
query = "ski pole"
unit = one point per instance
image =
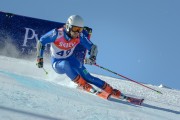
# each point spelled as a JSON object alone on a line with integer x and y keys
{"x": 127, "y": 78}
{"x": 45, "y": 71}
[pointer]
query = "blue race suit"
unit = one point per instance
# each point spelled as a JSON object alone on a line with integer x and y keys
{"x": 62, "y": 58}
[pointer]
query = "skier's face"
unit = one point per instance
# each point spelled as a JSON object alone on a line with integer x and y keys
{"x": 74, "y": 34}
{"x": 75, "y": 31}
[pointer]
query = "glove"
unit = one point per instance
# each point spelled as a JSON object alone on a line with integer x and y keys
{"x": 93, "y": 53}
{"x": 40, "y": 62}
{"x": 90, "y": 61}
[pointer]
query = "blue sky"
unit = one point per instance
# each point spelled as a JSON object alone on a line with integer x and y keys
{"x": 139, "y": 39}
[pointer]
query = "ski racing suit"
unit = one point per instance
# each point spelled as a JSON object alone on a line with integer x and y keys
{"x": 62, "y": 58}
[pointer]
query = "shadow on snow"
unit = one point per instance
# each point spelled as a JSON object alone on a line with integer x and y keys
{"x": 144, "y": 105}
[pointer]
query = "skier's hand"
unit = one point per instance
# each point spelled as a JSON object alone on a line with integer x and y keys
{"x": 93, "y": 53}
{"x": 40, "y": 62}
{"x": 90, "y": 61}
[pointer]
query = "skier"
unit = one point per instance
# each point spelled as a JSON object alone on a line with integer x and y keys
{"x": 63, "y": 42}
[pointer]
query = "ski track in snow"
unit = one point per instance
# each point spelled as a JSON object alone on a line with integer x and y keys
{"x": 26, "y": 93}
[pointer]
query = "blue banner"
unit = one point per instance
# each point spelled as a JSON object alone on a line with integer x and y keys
{"x": 23, "y": 33}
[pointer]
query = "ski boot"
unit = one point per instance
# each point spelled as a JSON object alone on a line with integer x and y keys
{"x": 108, "y": 91}
{"x": 82, "y": 84}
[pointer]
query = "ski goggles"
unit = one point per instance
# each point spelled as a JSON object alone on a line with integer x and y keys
{"x": 77, "y": 29}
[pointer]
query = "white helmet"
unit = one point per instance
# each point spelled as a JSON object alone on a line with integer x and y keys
{"x": 74, "y": 20}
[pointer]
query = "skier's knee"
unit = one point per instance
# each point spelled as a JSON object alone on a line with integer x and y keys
{"x": 58, "y": 68}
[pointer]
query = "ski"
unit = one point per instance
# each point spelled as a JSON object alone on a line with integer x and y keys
{"x": 132, "y": 100}
{"x": 135, "y": 101}
{"x": 106, "y": 96}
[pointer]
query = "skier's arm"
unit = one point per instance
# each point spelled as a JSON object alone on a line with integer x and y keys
{"x": 92, "y": 48}
{"x": 47, "y": 38}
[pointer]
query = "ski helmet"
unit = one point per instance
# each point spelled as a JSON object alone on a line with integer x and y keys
{"x": 74, "y": 20}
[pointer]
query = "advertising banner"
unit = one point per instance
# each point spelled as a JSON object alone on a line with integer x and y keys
{"x": 19, "y": 35}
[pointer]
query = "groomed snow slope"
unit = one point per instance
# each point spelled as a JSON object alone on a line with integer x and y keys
{"x": 26, "y": 93}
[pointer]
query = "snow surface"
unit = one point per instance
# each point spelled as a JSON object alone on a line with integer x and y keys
{"x": 27, "y": 93}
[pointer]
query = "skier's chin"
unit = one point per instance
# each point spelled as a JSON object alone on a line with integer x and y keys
{"x": 74, "y": 34}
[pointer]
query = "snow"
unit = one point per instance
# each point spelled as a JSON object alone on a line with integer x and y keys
{"x": 163, "y": 86}
{"x": 27, "y": 93}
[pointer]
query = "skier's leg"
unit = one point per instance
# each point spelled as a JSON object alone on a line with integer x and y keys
{"x": 89, "y": 78}
{"x": 81, "y": 70}
{"x": 64, "y": 66}
{"x": 108, "y": 90}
